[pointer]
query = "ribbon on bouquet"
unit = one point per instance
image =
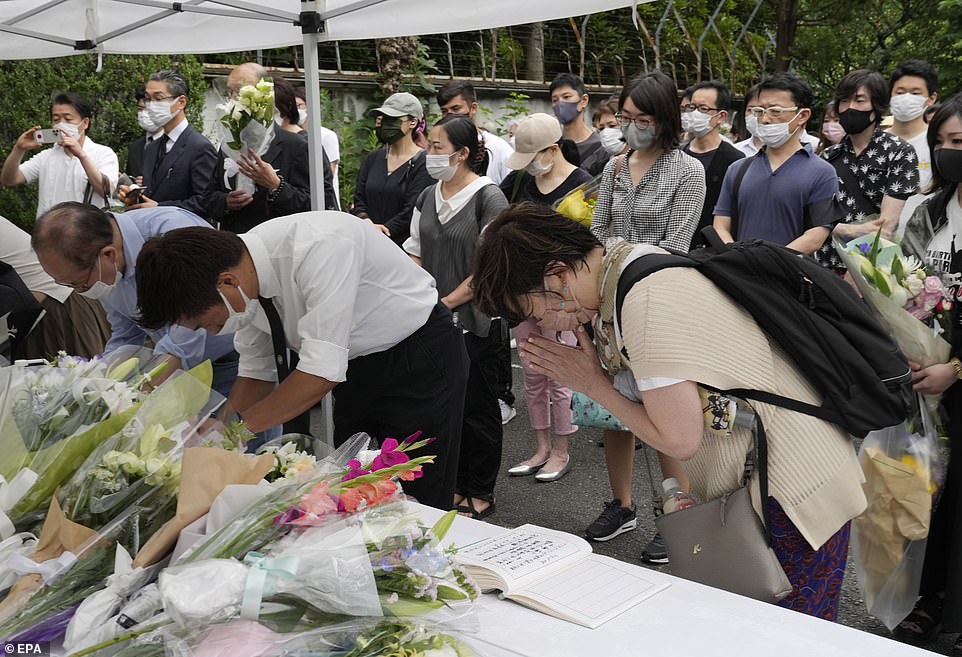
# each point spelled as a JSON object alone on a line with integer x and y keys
{"x": 50, "y": 570}
{"x": 12, "y": 492}
{"x": 16, "y": 544}
{"x": 262, "y": 579}
{"x": 230, "y": 170}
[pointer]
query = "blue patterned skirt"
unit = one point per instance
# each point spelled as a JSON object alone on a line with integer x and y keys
{"x": 816, "y": 575}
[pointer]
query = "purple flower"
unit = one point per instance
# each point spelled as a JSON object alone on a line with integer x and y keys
{"x": 354, "y": 470}
{"x": 864, "y": 248}
{"x": 389, "y": 455}
{"x": 288, "y": 516}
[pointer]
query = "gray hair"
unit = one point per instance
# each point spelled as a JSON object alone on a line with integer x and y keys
{"x": 78, "y": 231}
{"x": 176, "y": 83}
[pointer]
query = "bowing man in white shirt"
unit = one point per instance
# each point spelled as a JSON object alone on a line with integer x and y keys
{"x": 364, "y": 319}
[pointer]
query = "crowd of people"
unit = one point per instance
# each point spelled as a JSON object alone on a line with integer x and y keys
{"x": 405, "y": 305}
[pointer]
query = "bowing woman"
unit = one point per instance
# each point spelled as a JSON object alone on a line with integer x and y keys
{"x": 391, "y": 178}
{"x": 935, "y": 230}
{"x": 447, "y": 222}
{"x": 534, "y": 263}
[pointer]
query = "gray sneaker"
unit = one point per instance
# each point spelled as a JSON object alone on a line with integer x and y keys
{"x": 614, "y": 520}
{"x": 655, "y": 551}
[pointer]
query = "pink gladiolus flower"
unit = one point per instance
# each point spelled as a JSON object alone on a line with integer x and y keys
{"x": 315, "y": 504}
{"x": 354, "y": 470}
{"x": 410, "y": 475}
{"x": 366, "y": 495}
{"x": 389, "y": 455}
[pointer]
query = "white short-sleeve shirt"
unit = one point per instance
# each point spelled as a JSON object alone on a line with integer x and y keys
{"x": 61, "y": 177}
{"x": 332, "y": 148}
{"x": 341, "y": 287}
{"x": 15, "y": 250}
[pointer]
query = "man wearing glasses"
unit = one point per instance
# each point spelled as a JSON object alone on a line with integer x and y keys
{"x": 177, "y": 166}
{"x": 708, "y": 106}
{"x": 94, "y": 253}
{"x": 784, "y": 193}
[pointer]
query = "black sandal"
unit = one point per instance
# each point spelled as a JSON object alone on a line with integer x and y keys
{"x": 922, "y": 625}
{"x": 469, "y": 509}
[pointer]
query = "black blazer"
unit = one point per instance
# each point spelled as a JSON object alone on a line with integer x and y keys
{"x": 135, "y": 157}
{"x": 184, "y": 172}
{"x": 725, "y": 154}
{"x": 289, "y": 155}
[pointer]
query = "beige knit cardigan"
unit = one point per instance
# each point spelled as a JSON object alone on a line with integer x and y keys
{"x": 676, "y": 323}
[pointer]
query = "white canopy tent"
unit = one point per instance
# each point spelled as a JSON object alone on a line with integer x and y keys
{"x": 55, "y": 28}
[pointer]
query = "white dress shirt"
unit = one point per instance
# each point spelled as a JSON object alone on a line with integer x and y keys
{"x": 174, "y": 134}
{"x": 341, "y": 287}
{"x": 61, "y": 176}
{"x": 15, "y": 250}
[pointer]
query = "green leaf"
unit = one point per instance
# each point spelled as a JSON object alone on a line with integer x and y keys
{"x": 882, "y": 283}
{"x": 898, "y": 271}
{"x": 876, "y": 248}
{"x": 443, "y": 524}
{"x": 409, "y": 607}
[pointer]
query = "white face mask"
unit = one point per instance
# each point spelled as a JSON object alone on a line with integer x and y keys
{"x": 301, "y": 116}
{"x": 612, "y": 140}
{"x": 148, "y": 126}
{"x": 696, "y": 123}
{"x": 536, "y": 168}
{"x": 907, "y": 107}
{"x": 440, "y": 168}
{"x": 774, "y": 135}
{"x": 751, "y": 124}
{"x": 160, "y": 111}
{"x": 238, "y": 320}
{"x": 100, "y": 289}
{"x": 70, "y": 129}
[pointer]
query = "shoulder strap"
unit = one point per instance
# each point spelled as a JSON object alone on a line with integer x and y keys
{"x": 851, "y": 184}
{"x": 736, "y": 185}
{"x": 620, "y": 162}
{"x": 89, "y": 192}
{"x": 518, "y": 180}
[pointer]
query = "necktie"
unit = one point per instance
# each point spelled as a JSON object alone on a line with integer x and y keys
{"x": 161, "y": 154}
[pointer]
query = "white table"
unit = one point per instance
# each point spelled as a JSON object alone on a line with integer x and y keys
{"x": 684, "y": 620}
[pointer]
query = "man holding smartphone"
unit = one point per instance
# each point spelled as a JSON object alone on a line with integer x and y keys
{"x": 74, "y": 169}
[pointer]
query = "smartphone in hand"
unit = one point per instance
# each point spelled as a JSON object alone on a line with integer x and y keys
{"x": 48, "y": 136}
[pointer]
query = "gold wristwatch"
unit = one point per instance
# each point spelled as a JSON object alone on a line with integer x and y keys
{"x": 957, "y": 365}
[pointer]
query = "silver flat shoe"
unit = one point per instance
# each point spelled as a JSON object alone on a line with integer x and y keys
{"x": 522, "y": 470}
{"x": 546, "y": 477}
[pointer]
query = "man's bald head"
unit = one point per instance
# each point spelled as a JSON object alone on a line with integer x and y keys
{"x": 245, "y": 74}
{"x": 75, "y": 231}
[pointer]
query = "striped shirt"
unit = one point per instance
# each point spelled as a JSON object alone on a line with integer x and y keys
{"x": 662, "y": 209}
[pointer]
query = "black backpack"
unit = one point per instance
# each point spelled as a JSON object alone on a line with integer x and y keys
{"x": 830, "y": 334}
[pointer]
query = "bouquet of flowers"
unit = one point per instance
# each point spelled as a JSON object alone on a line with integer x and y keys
{"x": 289, "y": 461}
{"x": 53, "y": 416}
{"x": 360, "y": 637}
{"x": 111, "y": 498}
{"x": 579, "y": 204}
{"x": 247, "y": 122}
{"x": 912, "y": 304}
{"x": 902, "y": 476}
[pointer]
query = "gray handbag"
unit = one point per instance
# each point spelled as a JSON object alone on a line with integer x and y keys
{"x": 723, "y": 543}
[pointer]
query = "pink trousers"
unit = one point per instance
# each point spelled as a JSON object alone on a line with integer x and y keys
{"x": 547, "y": 399}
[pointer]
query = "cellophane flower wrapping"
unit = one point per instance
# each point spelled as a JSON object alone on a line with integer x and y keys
{"x": 247, "y": 122}
{"x": 903, "y": 474}
{"x": 53, "y": 416}
{"x": 579, "y": 204}
{"x": 893, "y": 287}
{"x": 136, "y": 504}
{"x": 356, "y": 637}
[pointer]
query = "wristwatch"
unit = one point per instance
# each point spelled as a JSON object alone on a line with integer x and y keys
{"x": 957, "y": 365}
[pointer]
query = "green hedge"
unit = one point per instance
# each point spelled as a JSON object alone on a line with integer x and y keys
{"x": 29, "y": 85}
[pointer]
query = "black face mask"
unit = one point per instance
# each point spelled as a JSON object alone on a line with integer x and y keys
{"x": 948, "y": 164}
{"x": 855, "y": 121}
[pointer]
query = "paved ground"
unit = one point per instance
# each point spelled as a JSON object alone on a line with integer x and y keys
{"x": 571, "y": 503}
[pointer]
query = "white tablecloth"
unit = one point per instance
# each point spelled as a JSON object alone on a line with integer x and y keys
{"x": 685, "y": 620}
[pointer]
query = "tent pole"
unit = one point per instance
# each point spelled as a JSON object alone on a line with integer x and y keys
{"x": 315, "y": 151}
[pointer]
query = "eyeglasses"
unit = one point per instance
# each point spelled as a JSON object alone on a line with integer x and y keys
{"x": 704, "y": 109}
{"x": 161, "y": 98}
{"x": 82, "y": 287}
{"x": 772, "y": 112}
{"x": 625, "y": 121}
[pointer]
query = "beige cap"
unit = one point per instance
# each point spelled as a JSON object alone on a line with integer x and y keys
{"x": 401, "y": 104}
{"x": 533, "y": 135}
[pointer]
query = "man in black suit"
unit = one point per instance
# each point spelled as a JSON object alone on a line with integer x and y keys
{"x": 134, "y": 167}
{"x": 704, "y": 108}
{"x": 281, "y": 175}
{"x": 178, "y": 165}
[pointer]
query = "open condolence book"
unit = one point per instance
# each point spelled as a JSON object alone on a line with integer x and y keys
{"x": 557, "y": 574}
